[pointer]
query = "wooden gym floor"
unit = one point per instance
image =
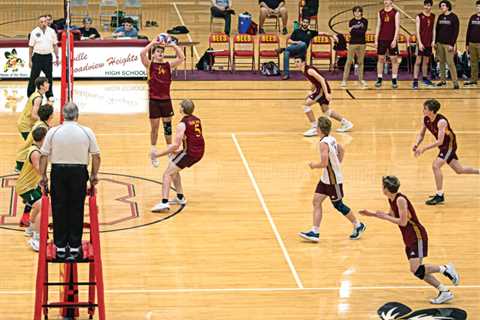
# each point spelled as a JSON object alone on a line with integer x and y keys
{"x": 233, "y": 251}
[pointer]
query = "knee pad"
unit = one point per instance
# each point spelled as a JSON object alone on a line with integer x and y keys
{"x": 167, "y": 128}
{"x": 341, "y": 207}
{"x": 307, "y": 109}
{"x": 328, "y": 113}
{"x": 420, "y": 273}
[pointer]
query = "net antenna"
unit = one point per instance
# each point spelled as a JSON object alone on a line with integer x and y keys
{"x": 67, "y": 60}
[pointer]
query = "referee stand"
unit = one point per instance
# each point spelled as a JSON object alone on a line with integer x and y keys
{"x": 69, "y": 283}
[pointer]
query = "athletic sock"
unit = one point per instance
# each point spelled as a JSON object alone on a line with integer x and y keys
{"x": 357, "y": 225}
{"x": 164, "y": 200}
{"x": 442, "y": 269}
{"x": 440, "y": 193}
{"x": 315, "y": 229}
{"x": 442, "y": 288}
{"x": 314, "y": 124}
{"x": 180, "y": 196}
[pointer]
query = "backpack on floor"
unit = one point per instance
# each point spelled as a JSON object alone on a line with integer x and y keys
{"x": 206, "y": 61}
{"x": 269, "y": 68}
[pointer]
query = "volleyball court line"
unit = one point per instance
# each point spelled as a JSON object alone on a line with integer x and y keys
{"x": 183, "y": 24}
{"x": 267, "y": 213}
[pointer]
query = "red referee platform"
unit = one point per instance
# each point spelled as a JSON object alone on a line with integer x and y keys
{"x": 69, "y": 283}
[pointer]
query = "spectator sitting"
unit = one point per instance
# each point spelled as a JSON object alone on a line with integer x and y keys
{"x": 126, "y": 30}
{"x": 87, "y": 31}
{"x": 299, "y": 41}
{"x": 222, "y": 9}
{"x": 309, "y": 8}
{"x": 50, "y": 22}
{"x": 276, "y": 8}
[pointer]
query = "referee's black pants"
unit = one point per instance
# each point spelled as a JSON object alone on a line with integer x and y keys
{"x": 68, "y": 190}
{"x": 40, "y": 62}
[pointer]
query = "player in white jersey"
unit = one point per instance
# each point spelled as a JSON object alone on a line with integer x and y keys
{"x": 331, "y": 183}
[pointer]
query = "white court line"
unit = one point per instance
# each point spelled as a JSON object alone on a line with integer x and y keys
{"x": 233, "y": 290}
{"x": 267, "y": 213}
{"x": 263, "y": 133}
{"x": 188, "y": 34}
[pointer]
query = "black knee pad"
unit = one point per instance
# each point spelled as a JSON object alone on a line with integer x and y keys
{"x": 420, "y": 273}
{"x": 167, "y": 128}
{"x": 341, "y": 207}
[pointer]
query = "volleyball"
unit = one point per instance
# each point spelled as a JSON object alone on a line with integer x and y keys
{"x": 164, "y": 38}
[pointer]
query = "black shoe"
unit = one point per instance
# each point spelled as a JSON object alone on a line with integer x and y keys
{"x": 74, "y": 254}
{"x": 61, "y": 253}
{"x": 470, "y": 83}
{"x": 284, "y": 30}
{"x": 435, "y": 200}
{"x": 456, "y": 86}
{"x": 394, "y": 84}
{"x": 148, "y": 24}
{"x": 441, "y": 84}
{"x": 154, "y": 23}
{"x": 357, "y": 232}
{"x": 279, "y": 50}
{"x": 378, "y": 84}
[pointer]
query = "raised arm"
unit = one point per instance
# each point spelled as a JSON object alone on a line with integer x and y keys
{"x": 180, "y": 57}
{"x": 144, "y": 54}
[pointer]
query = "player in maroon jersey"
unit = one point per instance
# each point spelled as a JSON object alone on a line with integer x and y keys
{"x": 425, "y": 23}
{"x": 446, "y": 141}
{"x": 386, "y": 40}
{"x": 415, "y": 239}
{"x": 188, "y": 133}
{"x": 320, "y": 94}
{"x": 159, "y": 81}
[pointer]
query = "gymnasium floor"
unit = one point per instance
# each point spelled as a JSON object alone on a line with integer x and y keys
{"x": 233, "y": 251}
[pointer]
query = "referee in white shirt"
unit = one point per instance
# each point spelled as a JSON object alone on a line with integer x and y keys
{"x": 69, "y": 147}
{"x": 43, "y": 41}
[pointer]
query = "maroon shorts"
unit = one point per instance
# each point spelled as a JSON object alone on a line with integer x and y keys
{"x": 417, "y": 250}
{"x": 427, "y": 52}
{"x": 319, "y": 97}
{"x": 160, "y": 109}
{"x": 448, "y": 154}
{"x": 384, "y": 46}
{"x": 333, "y": 191}
{"x": 183, "y": 160}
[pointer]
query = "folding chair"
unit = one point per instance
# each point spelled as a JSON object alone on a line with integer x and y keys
{"x": 108, "y": 9}
{"x": 243, "y": 48}
{"x": 275, "y": 23}
{"x": 321, "y": 49}
{"x": 272, "y": 42}
{"x": 214, "y": 23}
{"x": 220, "y": 48}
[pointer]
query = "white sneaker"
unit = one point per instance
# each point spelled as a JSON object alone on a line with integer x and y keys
{"x": 28, "y": 232}
{"x": 452, "y": 274}
{"x": 34, "y": 244}
{"x": 182, "y": 201}
{"x": 346, "y": 126}
{"x": 443, "y": 296}
{"x": 312, "y": 132}
{"x": 364, "y": 84}
{"x": 160, "y": 207}
{"x": 343, "y": 84}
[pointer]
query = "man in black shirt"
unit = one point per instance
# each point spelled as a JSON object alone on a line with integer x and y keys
{"x": 473, "y": 44}
{"x": 87, "y": 31}
{"x": 299, "y": 41}
{"x": 273, "y": 8}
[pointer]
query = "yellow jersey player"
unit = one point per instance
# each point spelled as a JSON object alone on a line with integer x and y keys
{"x": 45, "y": 113}
{"x": 27, "y": 186}
{"x": 29, "y": 115}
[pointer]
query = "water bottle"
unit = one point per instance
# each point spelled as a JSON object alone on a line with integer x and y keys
{"x": 385, "y": 68}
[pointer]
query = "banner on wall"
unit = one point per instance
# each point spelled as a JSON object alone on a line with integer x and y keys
{"x": 90, "y": 62}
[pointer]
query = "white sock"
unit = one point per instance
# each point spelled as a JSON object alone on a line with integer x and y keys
{"x": 442, "y": 269}
{"x": 314, "y": 124}
{"x": 357, "y": 225}
{"x": 442, "y": 288}
{"x": 440, "y": 193}
{"x": 315, "y": 229}
{"x": 36, "y": 236}
{"x": 394, "y": 76}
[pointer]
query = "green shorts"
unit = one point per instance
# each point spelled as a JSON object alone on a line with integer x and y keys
{"x": 32, "y": 196}
{"x": 19, "y": 166}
